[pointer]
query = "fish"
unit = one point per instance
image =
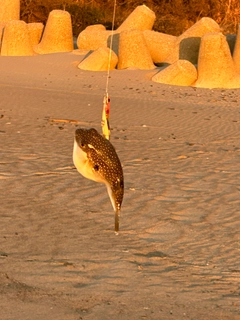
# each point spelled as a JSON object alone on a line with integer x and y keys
{"x": 96, "y": 159}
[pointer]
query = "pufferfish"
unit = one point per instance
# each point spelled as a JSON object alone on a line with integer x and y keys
{"x": 96, "y": 159}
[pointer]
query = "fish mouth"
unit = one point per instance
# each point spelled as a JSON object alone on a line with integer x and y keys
{"x": 78, "y": 134}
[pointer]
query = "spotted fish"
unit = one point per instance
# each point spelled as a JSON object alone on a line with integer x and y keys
{"x": 96, "y": 159}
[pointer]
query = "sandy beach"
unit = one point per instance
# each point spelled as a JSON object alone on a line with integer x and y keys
{"x": 177, "y": 253}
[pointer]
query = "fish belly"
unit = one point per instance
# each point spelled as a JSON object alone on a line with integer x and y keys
{"x": 83, "y": 165}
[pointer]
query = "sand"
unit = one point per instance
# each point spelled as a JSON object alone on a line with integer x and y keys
{"x": 177, "y": 253}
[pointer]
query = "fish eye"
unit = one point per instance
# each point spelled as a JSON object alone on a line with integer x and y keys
{"x": 96, "y": 167}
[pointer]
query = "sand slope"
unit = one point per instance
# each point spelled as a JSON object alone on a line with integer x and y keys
{"x": 177, "y": 254}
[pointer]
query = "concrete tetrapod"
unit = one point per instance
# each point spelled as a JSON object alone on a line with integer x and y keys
{"x": 159, "y": 44}
{"x": 133, "y": 51}
{"x": 141, "y": 18}
{"x": 180, "y": 73}
{"x": 188, "y": 43}
{"x": 35, "y": 30}
{"x": 2, "y": 25}
{"x": 9, "y": 10}
{"x": 16, "y": 40}
{"x": 57, "y": 35}
{"x": 215, "y": 63}
{"x": 92, "y": 39}
{"x": 98, "y": 60}
{"x": 236, "y": 52}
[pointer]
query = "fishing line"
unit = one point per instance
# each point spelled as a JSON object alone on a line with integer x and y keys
{"x": 106, "y": 100}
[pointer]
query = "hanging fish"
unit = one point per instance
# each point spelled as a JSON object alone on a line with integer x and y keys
{"x": 96, "y": 159}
